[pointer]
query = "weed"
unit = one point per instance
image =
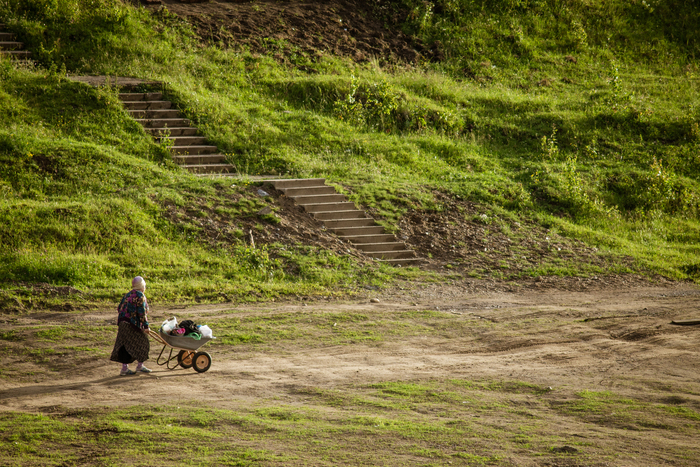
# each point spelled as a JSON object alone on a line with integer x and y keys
{"x": 51, "y": 334}
{"x": 12, "y": 335}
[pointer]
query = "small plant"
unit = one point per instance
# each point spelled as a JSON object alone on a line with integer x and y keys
{"x": 695, "y": 131}
{"x": 369, "y": 104}
{"x": 422, "y": 15}
{"x": 549, "y": 146}
{"x": 619, "y": 100}
{"x": 165, "y": 142}
{"x": 257, "y": 261}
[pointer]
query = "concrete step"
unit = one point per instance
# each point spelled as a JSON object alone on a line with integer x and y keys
{"x": 141, "y": 96}
{"x": 147, "y": 105}
{"x": 400, "y": 261}
{"x": 185, "y": 140}
{"x": 163, "y": 122}
{"x": 336, "y": 215}
{"x": 318, "y": 199}
{"x": 360, "y": 222}
{"x": 150, "y": 114}
{"x": 345, "y": 220}
{"x": 16, "y": 54}
{"x": 352, "y": 231}
{"x": 360, "y": 239}
{"x": 23, "y": 63}
{"x": 181, "y": 131}
{"x": 7, "y": 36}
{"x": 193, "y": 150}
{"x": 208, "y": 168}
{"x": 199, "y": 159}
{"x": 296, "y": 182}
{"x": 396, "y": 254}
{"x": 10, "y": 45}
{"x": 305, "y": 191}
{"x": 232, "y": 175}
{"x": 325, "y": 207}
{"x": 384, "y": 246}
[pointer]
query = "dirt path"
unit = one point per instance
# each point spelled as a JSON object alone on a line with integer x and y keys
{"x": 598, "y": 340}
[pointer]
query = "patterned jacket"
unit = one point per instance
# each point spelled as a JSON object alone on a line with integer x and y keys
{"x": 134, "y": 309}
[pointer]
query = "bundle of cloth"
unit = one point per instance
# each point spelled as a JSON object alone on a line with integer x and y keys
{"x": 187, "y": 328}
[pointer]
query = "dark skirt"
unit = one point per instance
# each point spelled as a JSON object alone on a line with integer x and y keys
{"x": 132, "y": 344}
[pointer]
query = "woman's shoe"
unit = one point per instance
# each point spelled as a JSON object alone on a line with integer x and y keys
{"x": 127, "y": 372}
{"x": 143, "y": 369}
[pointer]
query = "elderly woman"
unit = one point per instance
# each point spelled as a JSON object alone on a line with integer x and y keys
{"x": 132, "y": 337}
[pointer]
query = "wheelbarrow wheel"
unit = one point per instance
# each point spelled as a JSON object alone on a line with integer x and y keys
{"x": 201, "y": 361}
{"x": 185, "y": 359}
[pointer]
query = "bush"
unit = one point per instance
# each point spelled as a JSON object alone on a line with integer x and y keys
{"x": 380, "y": 107}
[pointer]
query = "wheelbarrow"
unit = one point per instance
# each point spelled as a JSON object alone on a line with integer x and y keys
{"x": 188, "y": 355}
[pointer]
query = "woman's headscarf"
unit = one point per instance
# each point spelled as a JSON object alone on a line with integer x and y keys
{"x": 138, "y": 283}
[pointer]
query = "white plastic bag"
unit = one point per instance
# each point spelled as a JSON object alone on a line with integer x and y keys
{"x": 205, "y": 331}
{"x": 168, "y": 325}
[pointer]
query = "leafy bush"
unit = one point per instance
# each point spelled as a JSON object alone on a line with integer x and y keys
{"x": 380, "y": 107}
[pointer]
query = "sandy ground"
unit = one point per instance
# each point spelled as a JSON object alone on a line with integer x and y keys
{"x": 617, "y": 339}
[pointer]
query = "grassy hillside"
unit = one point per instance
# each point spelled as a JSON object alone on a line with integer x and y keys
{"x": 581, "y": 116}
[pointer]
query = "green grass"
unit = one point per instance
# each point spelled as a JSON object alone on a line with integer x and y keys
{"x": 440, "y": 421}
{"x": 561, "y": 114}
{"x": 609, "y": 409}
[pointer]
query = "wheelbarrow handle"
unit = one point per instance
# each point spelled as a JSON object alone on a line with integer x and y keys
{"x": 156, "y": 336}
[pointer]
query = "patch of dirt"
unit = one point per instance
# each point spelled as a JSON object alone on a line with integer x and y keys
{"x": 465, "y": 238}
{"x": 292, "y": 225}
{"x": 490, "y": 254}
{"x": 32, "y": 295}
{"x": 44, "y": 289}
{"x": 310, "y": 29}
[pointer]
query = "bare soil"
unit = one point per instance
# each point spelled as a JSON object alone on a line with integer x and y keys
{"x": 348, "y": 28}
{"x": 607, "y": 338}
{"x": 282, "y": 222}
{"x": 462, "y": 238}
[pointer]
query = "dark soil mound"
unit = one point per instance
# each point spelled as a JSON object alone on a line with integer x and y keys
{"x": 309, "y": 29}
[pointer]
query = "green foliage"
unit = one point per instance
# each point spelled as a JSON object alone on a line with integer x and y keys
{"x": 584, "y": 117}
{"x": 78, "y": 34}
{"x": 515, "y": 33}
{"x": 51, "y": 334}
{"x": 257, "y": 262}
{"x": 379, "y": 106}
{"x": 10, "y": 336}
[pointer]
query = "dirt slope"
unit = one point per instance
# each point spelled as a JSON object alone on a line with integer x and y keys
{"x": 284, "y": 28}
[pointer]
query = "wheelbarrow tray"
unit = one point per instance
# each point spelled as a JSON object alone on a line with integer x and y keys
{"x": 181, "y": 342}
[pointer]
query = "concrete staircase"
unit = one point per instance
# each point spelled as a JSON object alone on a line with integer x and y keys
{"x": 341, "y": 217}
{"x": 163, "y": 122}
{"x": 9, "y": 47}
